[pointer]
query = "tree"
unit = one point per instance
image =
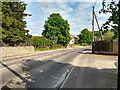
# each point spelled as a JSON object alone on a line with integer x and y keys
{"x": 13, "y": 25}
{"x": 85, "y": 37}
{"x": 57, "y": 29}
{"x": 108, "y": 35}
{"x": 112, "y": 22}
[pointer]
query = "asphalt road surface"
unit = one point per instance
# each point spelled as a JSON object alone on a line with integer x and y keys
{"x": 42, "y": 70}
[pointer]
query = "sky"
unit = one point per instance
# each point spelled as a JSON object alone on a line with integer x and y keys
{"x": 77, "y": 12}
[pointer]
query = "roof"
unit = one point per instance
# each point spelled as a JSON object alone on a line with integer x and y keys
{"x": 74, "y": 36}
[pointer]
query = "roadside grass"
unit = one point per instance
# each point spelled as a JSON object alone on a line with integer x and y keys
{"x": 82, "y": 44}
{"x": 85, "y": 44}
{"x": 76, "y": 44}
{"x": 45, "y": 49}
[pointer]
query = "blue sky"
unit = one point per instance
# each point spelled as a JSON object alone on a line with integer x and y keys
{"x": 77, "y": 12}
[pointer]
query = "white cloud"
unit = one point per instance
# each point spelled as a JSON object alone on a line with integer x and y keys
{"x": 55, "y": 7}
{"x": 78, "y": 20}
{"x": 82, "y": 14}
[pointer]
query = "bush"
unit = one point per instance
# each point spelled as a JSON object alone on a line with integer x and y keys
{"x": 41, "y": 42}
{"x": 108, "y": 35}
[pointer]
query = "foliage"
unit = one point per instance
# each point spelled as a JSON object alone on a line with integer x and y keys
{"x": 57, "y": 29}
{"x": 85, "y": 37}
{"x": 85, "y": 44}
{"x": 76, "y": 44}
{"x": 108, "y": 35}
{"x": 112, "y": 22}
{"x": 13, "y": 25}
{"x": 44, "y": 49}
{"x": 41, "y": 42}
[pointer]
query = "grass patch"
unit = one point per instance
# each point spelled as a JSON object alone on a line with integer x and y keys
{"x": 85, "y": 44}
{"x": 45, "y": 49}
{"x": 76, "y": 44}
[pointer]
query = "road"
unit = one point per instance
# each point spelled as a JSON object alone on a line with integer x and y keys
{"x": 41, "y": 70}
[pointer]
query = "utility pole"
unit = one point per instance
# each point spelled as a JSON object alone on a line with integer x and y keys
{"x": 93, "y": 30}
{"x": 98, "y": 25}
{"x": 118, "y": 86}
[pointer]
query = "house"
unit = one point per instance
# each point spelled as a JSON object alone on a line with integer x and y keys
{"x": 74, "y": 39}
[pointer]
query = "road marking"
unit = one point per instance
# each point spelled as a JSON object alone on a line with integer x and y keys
{"x": 61, "y": 79}
{"x": 70, "y": 71}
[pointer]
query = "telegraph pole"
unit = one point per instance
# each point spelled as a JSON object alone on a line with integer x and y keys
{"x": 93, "y": 30}
{"x": 98, "y": 25}
{"x": 118, "y": 46}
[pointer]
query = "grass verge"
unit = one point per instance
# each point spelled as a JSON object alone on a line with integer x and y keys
{"x": 45, "y": 49}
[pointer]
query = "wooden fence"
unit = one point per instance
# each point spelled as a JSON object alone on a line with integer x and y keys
{"x": 106, "y": 46}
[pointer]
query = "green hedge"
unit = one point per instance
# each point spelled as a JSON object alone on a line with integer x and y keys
{"x": 42, "y": 43}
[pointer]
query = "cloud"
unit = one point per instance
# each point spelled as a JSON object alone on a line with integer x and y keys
{"x": 54, "y": 7}
{"x": 79, "y": 20}
{"x": 77, "y": 14}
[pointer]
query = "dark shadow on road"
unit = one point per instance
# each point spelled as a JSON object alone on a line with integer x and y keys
{"x": 86, "y": 77}
{"x": 51, "y": 71}
{"x": 45, "y": 74}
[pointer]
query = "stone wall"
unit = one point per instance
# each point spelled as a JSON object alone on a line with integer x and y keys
{"x": 12, "y": 51}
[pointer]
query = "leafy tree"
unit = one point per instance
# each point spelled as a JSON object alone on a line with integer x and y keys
{"x": 13, "y": 25}
{"x": 112, "y": 22}
{"x": 108, "y": 35}
{"x": 85, "y": 37}
{"x": 57, "y": 29}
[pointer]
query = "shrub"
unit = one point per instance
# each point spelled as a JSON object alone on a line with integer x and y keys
{"x": 41, "y": 42}
{"x": 108, "y": 35}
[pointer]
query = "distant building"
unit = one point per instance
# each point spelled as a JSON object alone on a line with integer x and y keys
{"x": 74, "y": 39}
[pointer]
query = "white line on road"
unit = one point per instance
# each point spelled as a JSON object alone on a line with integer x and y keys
{"x": 70, "y": 71}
